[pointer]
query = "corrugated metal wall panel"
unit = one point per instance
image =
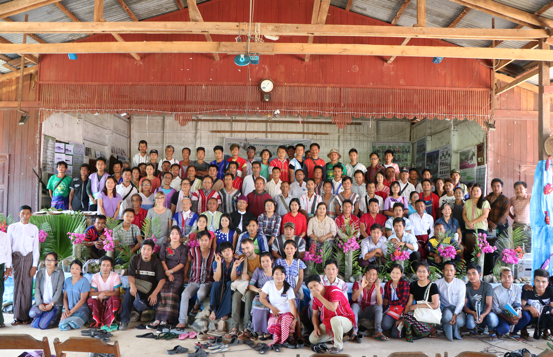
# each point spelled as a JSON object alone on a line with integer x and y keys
{"x": 202, "y": 68}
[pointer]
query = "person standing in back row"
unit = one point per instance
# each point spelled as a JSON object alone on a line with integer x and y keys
{"x": 59, "y": 187}
{"x": 78, "y": 198}
{"x": 96, "y": 184}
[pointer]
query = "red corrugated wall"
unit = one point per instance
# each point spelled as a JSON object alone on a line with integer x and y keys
{"x": 283, "y": 69}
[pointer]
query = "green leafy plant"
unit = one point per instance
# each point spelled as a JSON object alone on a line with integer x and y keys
{"x": 518, "y": 239}
{"x": 57, "y": 227}
{"x": 113, "y": 224}
{"x": 152, "y": 228}
{"x": 124, "y": 256}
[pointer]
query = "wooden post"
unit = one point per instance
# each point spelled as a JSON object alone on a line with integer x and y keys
{"x": 98, "y": 10}
{"x": 421, "y": 13}
{"x": 544, "y": 119}
{"x": 22, "y": 69}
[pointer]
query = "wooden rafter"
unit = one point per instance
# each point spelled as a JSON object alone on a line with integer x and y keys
{"x": 120, "y": 39}
{"x": 517, "y": 81}
{"x": 127, "y": 10}
{"x": 33, "y": 36}
{"x": 67, "y": 12}
{"x": 179, "y": 4}
{"x": 400, "y": 11}
{"x": 460, "y": 17}
{"x": 279, "y": 49}
{"x": 98, "y": 10}
{"x": 529, "y": 46}
{"x": 421, "y": 13}
{"x": 14, "y": 64}
{"x": 507, "y": 79}
{"x": 348, "y": 5}
{"x": 320, "y": 12}
{"x": 404, "y": 43}
{"x": 19, "y": 6}
{"x": 543, "y": 9}
{"x": 196, "y": 16}
{"x": 507, "y": 12}
{"x": 273, "y": 29}
{"x": 13, "y": 75}
{"x": 30, "y": 57}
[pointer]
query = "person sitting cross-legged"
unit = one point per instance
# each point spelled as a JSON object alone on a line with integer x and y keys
{"x": 367, "y": 303}
{"x": 403, "y": 239}
{"x": 508, "y": 293}
{"x": 332, "y": 314}
{"x": 46, "y": 312}
{"x": 374, "y": 247}
{"x": 104, "y": 298}
{"x": 452, "y": 300}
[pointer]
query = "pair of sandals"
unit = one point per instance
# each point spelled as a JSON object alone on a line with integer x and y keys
{"x": 184, "y": 336}
{"x": 322, "y": 348}
{"x": 262, "y": 348}
{"x": 16, "y": 322}
{"x": 166, "y": 336}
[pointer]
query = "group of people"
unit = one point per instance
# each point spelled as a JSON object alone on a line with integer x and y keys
{"x": 233, "y": 234}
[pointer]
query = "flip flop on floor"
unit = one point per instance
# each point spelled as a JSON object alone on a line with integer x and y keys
{"x": 2, "y": 325}
{"x": 264, "y": 349}
{"x": 380, "y": 337}
{"x": 259, "y": 347}
{"x": 199, "y": 353}
{"x": 276, "y": 347}
{"x": 235, "y": 342}
{"x": 248, "y": 343}
{"x": 146, "y": 335}
{"x": 177, "y": 350}
{"x": 300, "y": 343}
{"x": 140, "y": 327}
{"x": 517, "y": 337}
{"x": 493, "y": 337}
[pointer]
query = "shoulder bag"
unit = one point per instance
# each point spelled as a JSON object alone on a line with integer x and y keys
{"x": 428, "y": 315}
{"x": 142, "y": 286}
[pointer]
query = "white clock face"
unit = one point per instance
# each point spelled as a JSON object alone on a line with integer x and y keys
{"x": 267, "y": 86}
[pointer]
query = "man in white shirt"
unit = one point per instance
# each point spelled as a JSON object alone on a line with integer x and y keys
{"x": 250, "y": 152}
{"x": 273, "y": 186}
{"x": 142, "y": 156}
{"x": 508, "y": 293}
{"x": 5, "y": 266}
{"x": 248, "y": 185}
{"x": 452, "y": 300}
{"x": 369, "y": 195}
{"x": 405, "y": 187}
{"x": 298, "y": 163}
{"x": 353, "y": 166}
{"x": 400, "y": 238}
{"x": 359, "y": 183}
{"x": 423, "y": 225}
{"x": 213, "y": 215}
{"x": 337, "y": 186}
{"x": 283, "y": 200}
{"x": 298, "y": 187}
{"x": 449, "y": 196}
{"x": 126, "y": 189}
{"x": 25, "y": 248}
{"x": 175, "y": 170}
{"x": 309, "y": 201}
{"x": 374, "y": 246}
{"x": 398, "y": 213}
{"x": 169, "y": 151}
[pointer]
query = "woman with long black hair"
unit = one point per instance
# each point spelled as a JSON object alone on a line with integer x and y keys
{"x": 475, "y": 215}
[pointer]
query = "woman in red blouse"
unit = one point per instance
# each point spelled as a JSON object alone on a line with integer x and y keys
{"x": 294, "y": 216}
{"x": 381, "y": 189}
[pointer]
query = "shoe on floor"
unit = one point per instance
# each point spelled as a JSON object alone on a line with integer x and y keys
{"x": 123, "y": 326}
{"x": 135, "y": 316}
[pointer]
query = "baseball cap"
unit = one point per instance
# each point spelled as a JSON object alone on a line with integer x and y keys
{"x": 289, "y": 224}
{"x": 404, "y": 169}
{"x": 154, "y": 151}
{"x": 455, "y": 171}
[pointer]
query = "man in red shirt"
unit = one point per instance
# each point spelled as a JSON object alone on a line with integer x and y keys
{"x": 242, "y": 164}
{"x": 282, "y": 163}
{"x": 367, "y": 302}
{"x": 237, "y": 181}
{"x": 431, "y": 199}
{"x": 139, "y": 212}
{"x": 371, "y": 217}
{"x": 257, "y": 198}
{"x": 314, "y": 160}
{"x": 332, "y": 314}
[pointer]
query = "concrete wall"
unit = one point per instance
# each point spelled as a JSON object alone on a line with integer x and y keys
{"x": 160, "y": 131}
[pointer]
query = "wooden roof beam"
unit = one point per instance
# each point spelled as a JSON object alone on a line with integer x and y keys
{"x": 404, "y": 43}
{"x": 179, "y": 4}
{"x": 529, "y": 46}
{"x": 273, "y": 29}
{"x": 507, "y": 12}
{"x": 19, "y": 6}
{"x": 400, "y": 11}
{"x": 507, "y": 79}
{"x": 13, "y": 75}
{"x": 348, "y": 5}
{"x": 127, "y": 10}
{"x": 421, "y": 13}
{"x": 543, "y": 9}
{"x": 67, "y": 12}
{"x": 98, "y": 10}
{"x": 458, "y": 19}
{"x": 279, "y": 49}
{"x": 320, "y": 12}
{"x": 196, "y": 16}
{"x": 517, "y": 81}
{"x": 33, "y": 36}
{"x": 30, "y": 57}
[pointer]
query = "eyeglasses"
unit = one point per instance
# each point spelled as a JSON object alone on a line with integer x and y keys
{"x": 50, "y": 260}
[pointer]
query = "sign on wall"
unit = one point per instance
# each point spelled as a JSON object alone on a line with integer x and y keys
{"x": 402, "y": 151}
{"x": 433, "y": 162}
{"x": 420, "y": 158}
{"x": 445, "y": 162}
{"x": 269, "y": 144}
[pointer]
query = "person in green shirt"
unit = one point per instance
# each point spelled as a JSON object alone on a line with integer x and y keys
{"x": 334, "y": 156}
{"x": 59, "y": 187}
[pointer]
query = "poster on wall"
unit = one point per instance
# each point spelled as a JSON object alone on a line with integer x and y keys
{"x": 402, "y": 151}
{"x": 433, "y": 162}
{"x": 78, "y": 157}
{"x": 481, "y": 177}
{"x": 468, "y": 175}
{"x": 48, "y": 152}
{"x": 467, "y": 158}
{"x": 269, "y": 144}
{"x": 445, "y": 161}
{"x": 420, "y": 158}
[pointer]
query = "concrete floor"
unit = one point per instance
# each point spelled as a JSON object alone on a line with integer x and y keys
{"x": 131, "y": 346}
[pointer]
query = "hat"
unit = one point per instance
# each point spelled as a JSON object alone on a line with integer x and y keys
{"x": 139, "y": 305}
{"x": 241, "y": 198}
{"x": 454, "y": 171}
{"x": 234, "y": 146}
{"x": 154, "y": 151}
{"x": 404, "y": 169}
{"x": 334, "y": 151}
{"x": 289, "y": 224}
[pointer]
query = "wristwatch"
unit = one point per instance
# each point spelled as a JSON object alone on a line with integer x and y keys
{"x": 171, "y": 271}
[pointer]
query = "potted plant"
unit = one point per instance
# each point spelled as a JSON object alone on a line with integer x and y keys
{"x": 347, "y": 242}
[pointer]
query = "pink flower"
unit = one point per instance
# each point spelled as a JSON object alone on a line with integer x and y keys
{"x": 42, "y": 235}
{"x": 478, "y": 254}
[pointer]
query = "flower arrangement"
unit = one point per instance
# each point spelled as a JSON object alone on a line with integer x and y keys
{"x": 447, "y": 252}
{"x": 313, "y": 256}
{"x": 399, "y": 254}
{"x": 482, "y": 247}
{"x": 347, "y": 242}
{"x": 349, "y": 245}
{"x": 520, "y": 252}
{"x": 76, "y": 238}
{"x": 510, "y": 256}
{"x": 109, "y": 245}
{"x": 42, "y": 235}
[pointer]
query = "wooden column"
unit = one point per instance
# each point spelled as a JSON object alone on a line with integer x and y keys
{"x": 421, "y": 13}
{"x": 544, "y": 119}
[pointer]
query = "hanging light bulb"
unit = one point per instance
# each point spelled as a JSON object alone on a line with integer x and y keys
{"x": 242, "y": 60}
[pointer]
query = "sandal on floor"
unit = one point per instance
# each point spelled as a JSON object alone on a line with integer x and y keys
{"x": 300, "y": 343}
{"x": 147, "y": 335}
{"x": 16, "y": 322}
{"x": 161, "y": 336}
{"x": 140, "y": 327}
{"x": 248, "y": 343}
{"x": 246, "y": 335}
{"x": 199, "y": 353}
{"x": 234, "y": 342}
{"x": 2, "y": 325}
{"x": 317, "y": 349}
{"x": 264, "y": 349}
{"x": 517, "y": 337}
{"x": 493, "y": 337}
{"x": 177, "y": 350}
{"x": 380, "y": 337}
{"x": 259, "y": 346}
{"x": 276, "y": 347}
{"x": 335, "y": 350}
{"x": 232, "y": 333}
